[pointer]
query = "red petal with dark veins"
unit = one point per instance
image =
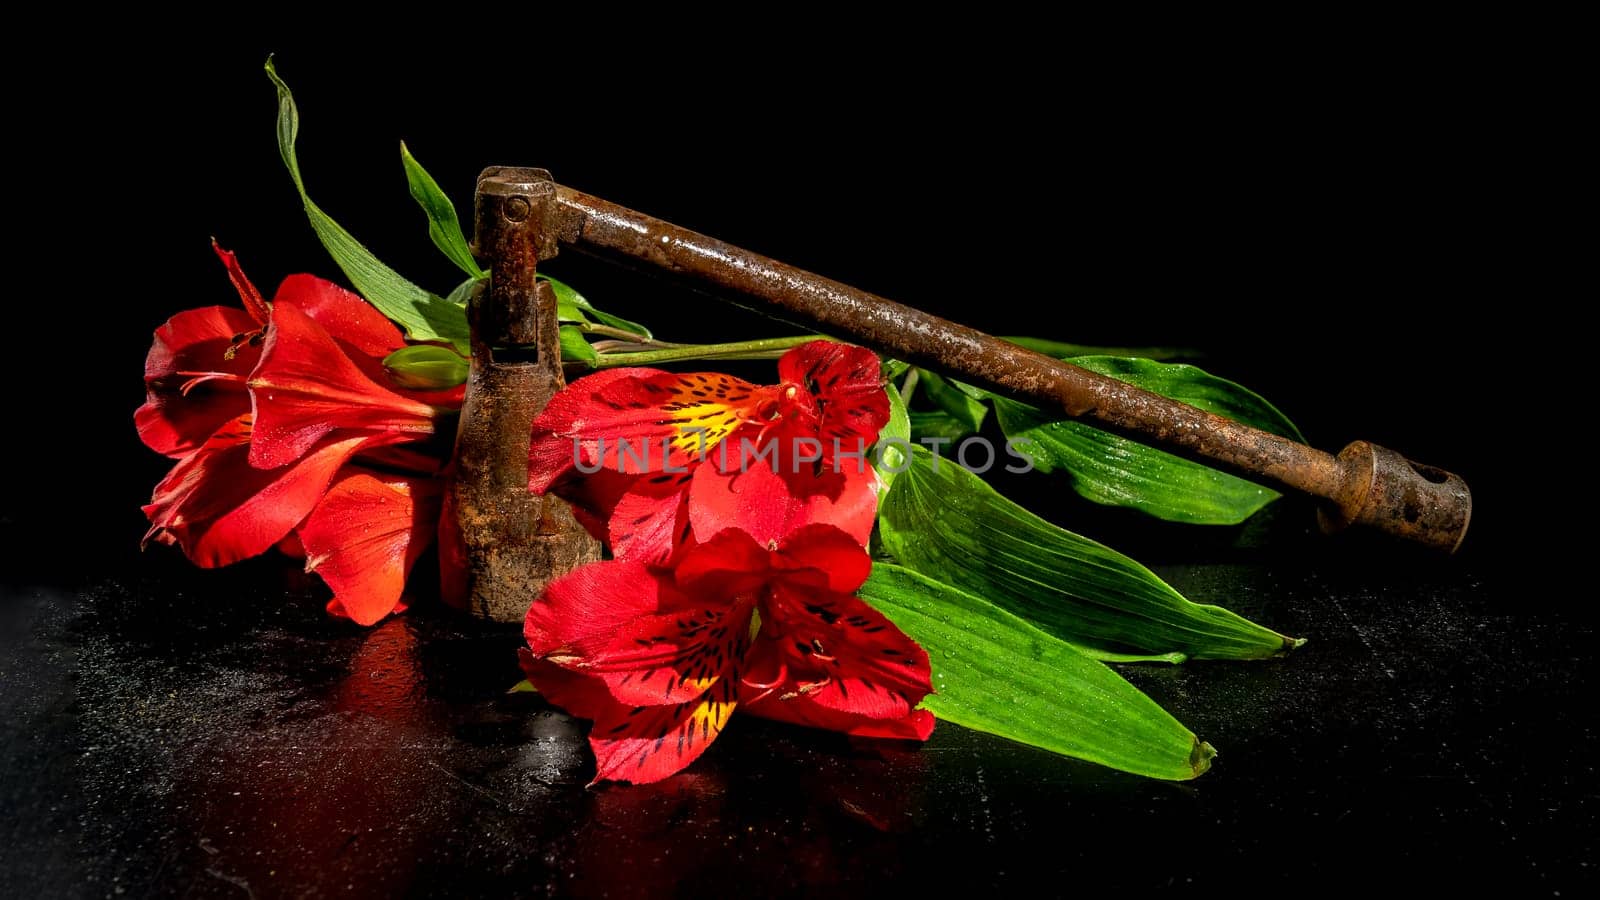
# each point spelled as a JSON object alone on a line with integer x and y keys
{"x": 192, "y": 386}
{"x": 648, "y": 743}
{"x": 635, "y": 743}
{"x": 620, "y": 419}
{"x": 650, "y": 521}
{"x": 220, "y": 509}
{"x": 253, "y": 304}
{"x": 593, "y": 497}
{"x": 841, "y": 653}
{"x": 770, "y": 505}
{"x": 345, "y": 315}
{"x": 364, "y": 537}
{"x": 579, "y": 613}
{"x": 558, "y": 431}
{"x": 631, "y": 628}
{"x": 673, "y": 657}
{"x": 915, "y": 726}
{"x": 847, "y": 385}
{"x": 306, "y": 387}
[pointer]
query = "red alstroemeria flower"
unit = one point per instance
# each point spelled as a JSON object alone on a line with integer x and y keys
{"x": 626, "y": 445}
{"x": 293, "y": 393}
{"x": 659, "y": 658}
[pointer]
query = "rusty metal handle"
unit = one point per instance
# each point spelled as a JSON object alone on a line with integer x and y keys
{"x": 513, "y": 542}
{"x": 1364, "y": 484}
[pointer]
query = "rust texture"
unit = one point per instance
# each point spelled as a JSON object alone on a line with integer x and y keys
{"x": 1376, "y": 489}
{"x": 514, "y": 540}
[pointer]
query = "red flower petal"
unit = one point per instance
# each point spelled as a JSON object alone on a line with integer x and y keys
{"x": 830, "y": 552}
{"x": 345, "y": 315}
{"x": 253, "y": 304}
{"x": 580, "y": 612}
{"x": 220, "y": 509}
{"x": 770, "y": 505}
{"x": 673, "y": 657}
{"x": 841, "y": 653}
{"x": 729, "y": 564}
{"x": 306, "y": 387}
{"x": 822, "y": 557}
{"x": 847, "y": 382}
{"x": 620, "y": 418}
{"x": 635, "y": 743}
{"x": 631, "y": 628}
{"x": 569, "y": 690}
{"x": 364, "y": 537}
{"x": 649, "y": 743}
{"x": 651, "y": 520}
{"x": 192, "y": 384}
{"x": 553, "y": 448}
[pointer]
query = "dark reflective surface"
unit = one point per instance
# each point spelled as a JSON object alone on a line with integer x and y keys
{"x": 191, "y": 733}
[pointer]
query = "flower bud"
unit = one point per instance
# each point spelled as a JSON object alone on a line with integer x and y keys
{"x": 424, "y": 367}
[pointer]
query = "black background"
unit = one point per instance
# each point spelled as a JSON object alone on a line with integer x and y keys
{"x": 1343, "y": 216}
{"x": 1332, "y": 222}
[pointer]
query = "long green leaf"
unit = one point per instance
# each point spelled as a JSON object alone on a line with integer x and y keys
{"x": 424, "y": 316}
{"x": 954, "y": 399}
{"x": 1115, "y": 471}
{"x": 888, "y": 456}
{"x": 444, "y": 227}
{"x": 573, "y": 346}
{"x": 995, "y": 673}
{"x": 571, "y": 306}
{"x": 946, "y": 523}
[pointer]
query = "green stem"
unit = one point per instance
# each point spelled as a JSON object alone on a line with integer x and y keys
{"x": 763, "y": 348}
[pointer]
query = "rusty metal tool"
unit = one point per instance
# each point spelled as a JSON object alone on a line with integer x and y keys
{"x": 513, "y": 541}
{"x": 1364, "y": 485}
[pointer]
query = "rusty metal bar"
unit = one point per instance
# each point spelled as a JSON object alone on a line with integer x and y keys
{"x": 1364, "y": 484}
{"x": 513, "y": 541}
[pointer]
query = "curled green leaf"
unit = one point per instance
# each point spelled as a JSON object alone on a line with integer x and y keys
{"x": 946, "y": 523}
{"x": 1116, "y": 471}
{"x": 444, "y": 227}
{"x": 572, "y": 306}
{"x": 993, "y": 672}
{"x": 423, "y": 315}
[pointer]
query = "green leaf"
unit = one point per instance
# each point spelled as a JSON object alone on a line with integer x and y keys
{"x": 937, "y": 424}
{"x": 424, "y": 316}
{"x": 574, "y": 348}
{"x": 1061, "y": 350}
{"x": 946, "y": 523}
{"x": 463, "y": 291}
{"x": 954, "y": 399}
{"x": 889, "y": 456}
{"x": 995, "y": 673}
{"x": 571, "y": 306}
{"x": 1115, "y": 471}
{"x": 443, "y": 226}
